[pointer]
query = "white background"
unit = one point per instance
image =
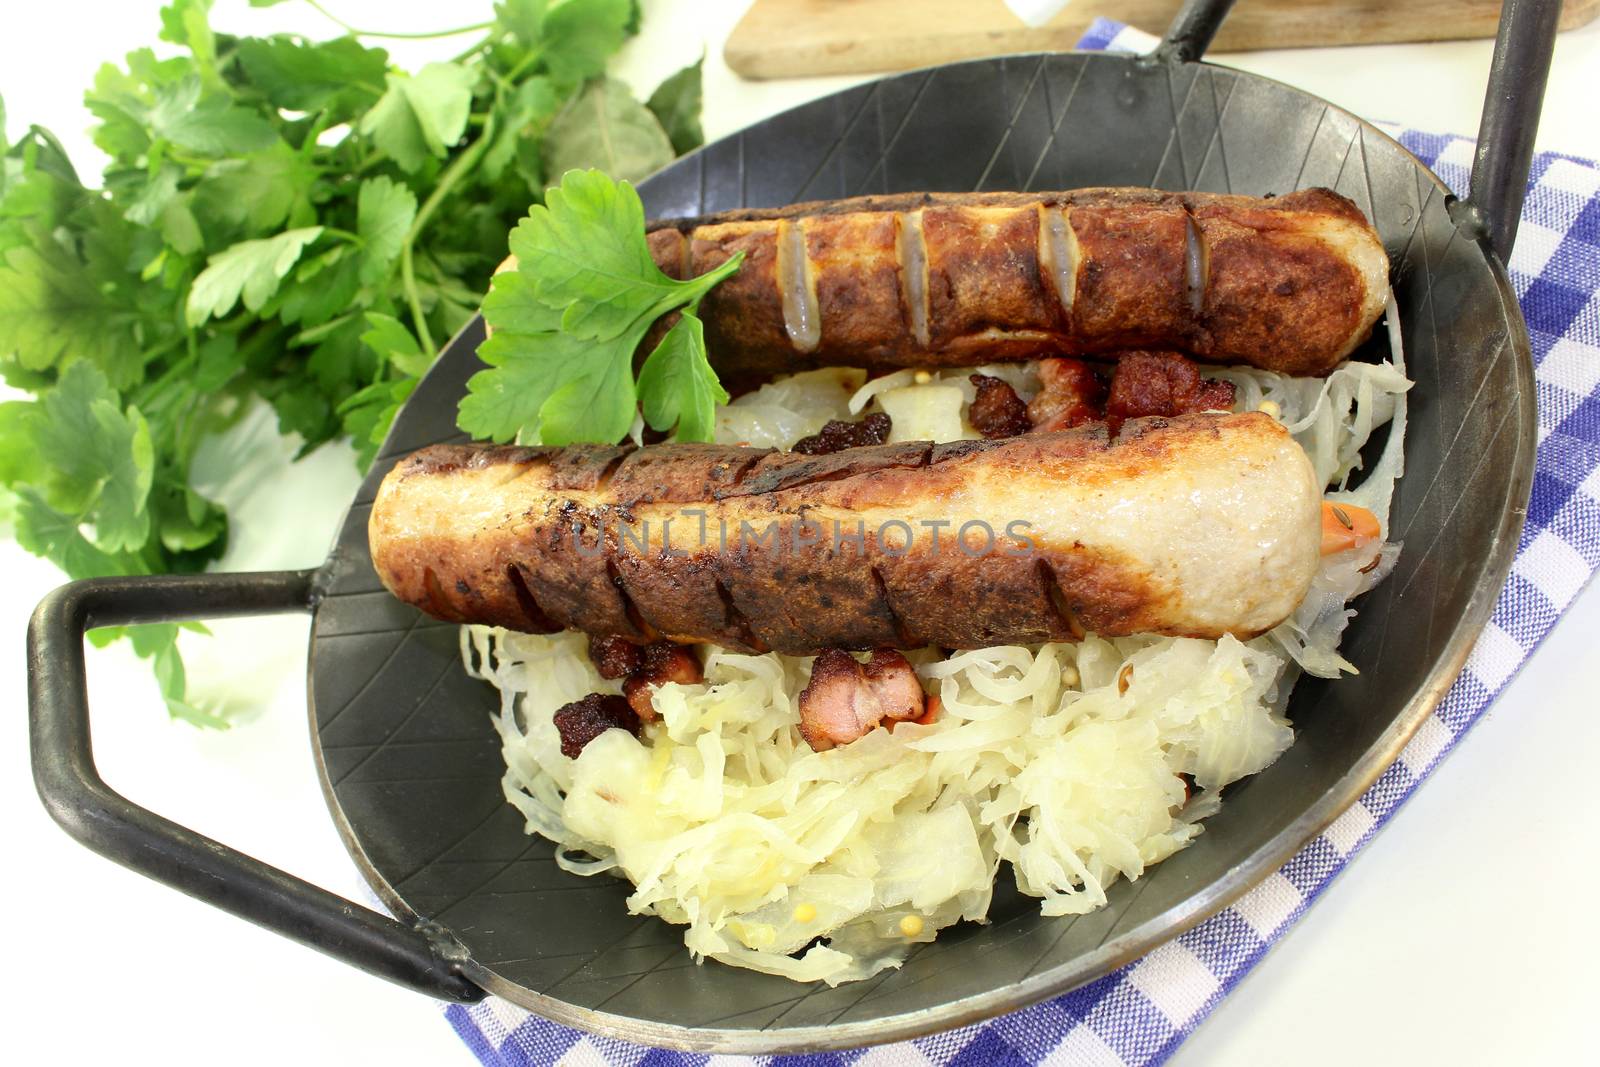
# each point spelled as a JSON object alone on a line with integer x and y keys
{"x": 1464, "y": 933}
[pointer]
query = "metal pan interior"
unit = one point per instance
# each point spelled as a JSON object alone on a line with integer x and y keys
{"x": 411, "y": 764}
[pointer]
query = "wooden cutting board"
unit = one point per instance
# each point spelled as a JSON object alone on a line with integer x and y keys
{"x": 795, "y": 38}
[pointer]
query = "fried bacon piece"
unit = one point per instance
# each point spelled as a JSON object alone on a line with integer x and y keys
{"x": 1070, "y": 394}
{"x": 846, "y": 699}
{"x": 837, "y": 435}
{"x": 662, "y": 662}
{"x": 1162, "y": 383}
{"x": 582, "y": 721}
{"x": 997, "y": 411}
{"x": 615, "y": 657}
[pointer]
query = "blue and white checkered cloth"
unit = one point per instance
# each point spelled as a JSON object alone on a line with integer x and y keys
{"x": 1139, "y": 1014}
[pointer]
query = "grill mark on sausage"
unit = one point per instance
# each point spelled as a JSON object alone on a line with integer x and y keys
{"x": 779, "y": 471}
{"x": 1065, "y": 619}
{"x": 736, "y": 477}
{"x": 444, "y": 460}
{"x": 902, "y": 632}
{"x": 911, "y": 249}
{"x": 436, "y": 603}
{"x": 630, "y": 609}
{"x": 797, "y": 285}
{"x": 948, "y": 450}
{"x": 1196, "y": 261}
{"x": 603, "y": 481}
{"x": 582, "y": 468}
{"x": 1058, "y": 254}
{"x": 538, "y": 621}
{"x": 735, "y": 621}
{"x": 515, "y": 471}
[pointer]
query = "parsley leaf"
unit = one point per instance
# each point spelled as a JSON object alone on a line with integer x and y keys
{"x": 389, "y": 337}
{"x": 51, "y": 307}
{"x": 102, "y": 457}
{"x": 579, "y": 35}
{"x": 514, "y": 305}
{"x": 367, "y": 415}
{"x": 184, "y": 22}
{"x": 523, "y": 19}
{"x": 46, "y": 532}
{"x": 210, "y": 126}
{"x": 594, "y": 399}
{"x": 322, "y": 287}
{"x": 385, "y": 210}
{"x": 341, "y": 75}
{"x": 676, "y": 105}
{"x": 677, "y": 384}
{"x": 524, "y": 369}
{"x": 606, "y": 128}
{"x": 568, "y": 320}
{"x": 250, "y": 270}
{"x": 421, "y": 116}
{"x": 255, "y": 193}
{"x": 526, "y": 114}
{"x": 587, "y": 241}
{"x": 158, "y": 643}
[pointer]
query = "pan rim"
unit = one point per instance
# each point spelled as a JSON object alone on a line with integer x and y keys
{"x": 1199, "y": 906}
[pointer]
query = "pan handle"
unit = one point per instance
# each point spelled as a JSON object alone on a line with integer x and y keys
{"x": 1192, "y": 29}
{"x": 1517, "y": 76}
{"x": 424, "y": 957}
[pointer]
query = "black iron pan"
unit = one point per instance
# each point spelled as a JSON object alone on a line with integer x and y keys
{"x": 411, "y": 764}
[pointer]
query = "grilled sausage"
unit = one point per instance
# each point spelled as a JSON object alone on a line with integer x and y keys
{"x": 1199, "y": 525}
{"x": 1289, "y": 284}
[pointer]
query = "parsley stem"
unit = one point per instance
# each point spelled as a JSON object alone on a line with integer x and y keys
{"x": 342, "y": 24}
{"x": 152, "y": 398}
{"x": 378, "y": 156}
{"x": 408, "y": 280}
{"x": 527, "y": 63}
{"x": 317, "y": 333}
{"x": 183, "y": 159}
{"x": 458, "y": 168}
{"x": 308, "y": 144}
{"x": 492, "y": 38}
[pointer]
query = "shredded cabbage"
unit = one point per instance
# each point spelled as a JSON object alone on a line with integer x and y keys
{"x": 1334, "y": 417}
{"x": 1062, "y": 760}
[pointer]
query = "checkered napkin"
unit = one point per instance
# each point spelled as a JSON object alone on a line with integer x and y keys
{"x": 1139, "y": 1014}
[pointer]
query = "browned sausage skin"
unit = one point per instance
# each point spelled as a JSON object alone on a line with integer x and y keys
{"x": 1198, "y": 526}
{"x": 1290, "y": 284}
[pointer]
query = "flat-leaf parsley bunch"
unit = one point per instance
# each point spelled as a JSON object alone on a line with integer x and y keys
{"x": 282, "y": 218}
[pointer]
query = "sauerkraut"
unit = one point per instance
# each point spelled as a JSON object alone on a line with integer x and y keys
{"x": 1061, "y": 761}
